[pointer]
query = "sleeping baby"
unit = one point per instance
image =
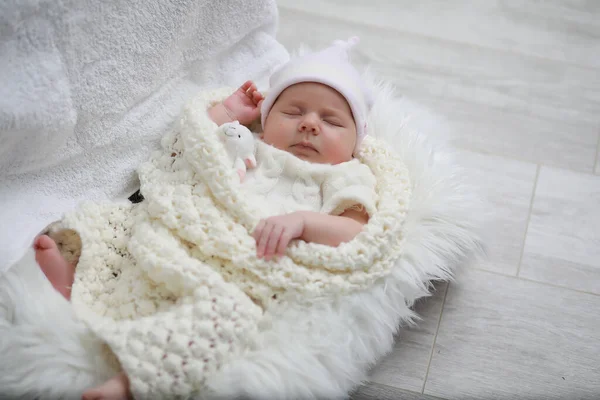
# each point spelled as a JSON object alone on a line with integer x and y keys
{"x": 314, "y": 119}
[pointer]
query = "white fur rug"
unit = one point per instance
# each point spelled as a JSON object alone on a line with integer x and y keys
{"x": 323, "y": 352}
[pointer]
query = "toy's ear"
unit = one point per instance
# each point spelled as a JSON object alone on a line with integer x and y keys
{"x": 250, "y": 161}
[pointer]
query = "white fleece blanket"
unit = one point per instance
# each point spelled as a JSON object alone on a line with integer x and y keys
{"x": 88, "y": 88}
{"x": 321, "y": 351}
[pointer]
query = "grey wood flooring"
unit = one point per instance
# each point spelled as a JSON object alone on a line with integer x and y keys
{"x": 519, "y": 81}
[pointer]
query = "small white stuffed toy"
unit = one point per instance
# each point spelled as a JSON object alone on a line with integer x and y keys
{"x": 239, "y": 143}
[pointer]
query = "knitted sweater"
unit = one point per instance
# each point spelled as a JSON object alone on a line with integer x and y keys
{"x": 173, "y": 284}
{"x": 282, "y": 183}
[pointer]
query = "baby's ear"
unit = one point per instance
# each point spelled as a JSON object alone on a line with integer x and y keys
{"x": 250, "y": 161}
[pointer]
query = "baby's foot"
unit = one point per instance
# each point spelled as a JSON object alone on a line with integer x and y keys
{"x": 116, "y": 388}
{"x": 241, "y": 174}
{"x": 58, "y": 271}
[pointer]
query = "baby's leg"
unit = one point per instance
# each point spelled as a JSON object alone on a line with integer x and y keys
{"x": 58, "y": 271}
{"x": 115, "y": 388}
{"x": 61, "y": 274}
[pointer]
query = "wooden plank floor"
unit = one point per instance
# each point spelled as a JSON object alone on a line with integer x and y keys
{"x": 520, "y": 83}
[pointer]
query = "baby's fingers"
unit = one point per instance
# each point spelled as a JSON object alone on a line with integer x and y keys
{"x": 284, "y": 241}
{"x": 247, "y": 85}
{"x": 263, "y": 240}
{"x": 273, "y": 240}
{"x": 258, "y": 230}
{"x": 257, "y": 97}
{"x": 250, "y": 90}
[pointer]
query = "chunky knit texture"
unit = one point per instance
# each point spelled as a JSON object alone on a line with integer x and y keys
{"x": 173, "y": 284}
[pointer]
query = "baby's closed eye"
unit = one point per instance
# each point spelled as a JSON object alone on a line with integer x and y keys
{"x": 333, "y": 121}
{"x": 292, "y": 111}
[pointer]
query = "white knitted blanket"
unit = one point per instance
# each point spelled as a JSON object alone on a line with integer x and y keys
{"x": 173, "y": 284}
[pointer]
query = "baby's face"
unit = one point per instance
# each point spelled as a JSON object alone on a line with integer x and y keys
{"x": 312, "y": 121}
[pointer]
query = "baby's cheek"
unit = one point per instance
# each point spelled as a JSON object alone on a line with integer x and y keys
{"x": 275, "y": 136}
{"x": 339, "y": 151}
{"x": 283, "y": 132}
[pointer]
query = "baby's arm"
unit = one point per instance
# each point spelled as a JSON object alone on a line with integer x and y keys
{"x": 333, "y": 230}
{"x": 243, "y": 105}
{"x": 219, "y": 114}
{"x": 273, "y": 234}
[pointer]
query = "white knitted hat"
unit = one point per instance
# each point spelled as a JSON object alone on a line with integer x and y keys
{"x": 330, "y": 67}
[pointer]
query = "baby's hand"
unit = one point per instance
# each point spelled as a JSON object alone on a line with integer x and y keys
{"x": 244, "y": 104}
{"x": 273, "y": 234}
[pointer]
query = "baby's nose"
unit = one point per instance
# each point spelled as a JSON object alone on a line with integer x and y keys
{"x": 307, "y": 127}
{"x": 309, "y": 124}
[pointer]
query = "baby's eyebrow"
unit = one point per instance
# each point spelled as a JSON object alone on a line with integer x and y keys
{"x": 296, "y": 103}
{"x": 333, "y": 111}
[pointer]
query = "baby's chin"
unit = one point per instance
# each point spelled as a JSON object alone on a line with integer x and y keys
{"x": 316, "y": 159}
{"x": 306, "y": 154}
{"x": 305, "y": 157}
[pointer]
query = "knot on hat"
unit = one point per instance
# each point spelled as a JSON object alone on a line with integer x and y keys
{"x": 345, "y": 45}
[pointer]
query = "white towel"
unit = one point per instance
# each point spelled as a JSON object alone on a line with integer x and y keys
{"x": 88, "y": 88}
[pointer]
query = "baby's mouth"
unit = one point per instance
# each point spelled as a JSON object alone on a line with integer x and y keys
{"x": 305, "y": 146}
